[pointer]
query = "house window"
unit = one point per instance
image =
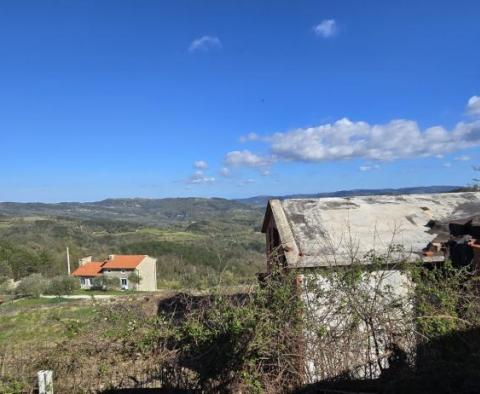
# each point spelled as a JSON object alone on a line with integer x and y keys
{"x": 124, "y": 283}
{"x": 123, "y": 271}
{"x": 82, "y": 281}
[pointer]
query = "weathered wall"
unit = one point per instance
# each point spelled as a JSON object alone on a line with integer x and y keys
{"x": 351, "y": 323}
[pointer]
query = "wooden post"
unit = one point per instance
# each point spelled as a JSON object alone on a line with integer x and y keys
{"x": 45, "y": 382}
{"x": 68, "y": 261}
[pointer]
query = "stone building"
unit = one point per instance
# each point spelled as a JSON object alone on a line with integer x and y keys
{"x": 322, "y": 240}
{"x": 119, "y": 267}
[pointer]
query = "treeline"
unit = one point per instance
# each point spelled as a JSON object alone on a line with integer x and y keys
{"x": 18, "y": 262}
{"x": 202, "y": 263}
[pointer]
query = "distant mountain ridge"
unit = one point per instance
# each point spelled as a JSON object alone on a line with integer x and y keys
{"x": 162, "y": 212}
{"x": 167, "y": 211}
{"x": 262, "y": 200}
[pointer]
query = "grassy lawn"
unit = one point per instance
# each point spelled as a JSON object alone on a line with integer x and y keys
{"x": 29, "y": 320}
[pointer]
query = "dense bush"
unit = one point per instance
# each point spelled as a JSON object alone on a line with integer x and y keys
{"x": 214, "y": 343}
{"x": 134, "y": 278}
{"x": 62, "y": 285}
{"x": 5, "y": 272}
{"x": 33, "y": 285}
{"x": 106, "y": 283}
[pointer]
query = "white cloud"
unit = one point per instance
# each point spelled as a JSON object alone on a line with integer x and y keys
{"x": 397, "y": 139}
{"x": 369, "y": 167}
{"x": 200, "y": 178}
{"x": 473, "y": 106}
{"x": 200, "y": 165}
{"x": 204, "y": 44}
{"x": 447, "y": 164}
{"x": 225, "y": 171}
{"x": 374, "y": 143}
{"x": 245, "y": 158}
{"x": 249, "y": 137}
{"x": 463, "y": 158}
{"x": 326, "y": 29}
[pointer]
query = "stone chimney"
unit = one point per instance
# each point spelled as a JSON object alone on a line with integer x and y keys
{"x": 111, "y": 256}
{"x": 84, "y": 260}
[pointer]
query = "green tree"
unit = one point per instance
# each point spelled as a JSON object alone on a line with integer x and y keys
{"x": 106, "y": 283}
{"x": 5, "y": 272}
{"x": 33, "y": 285}
{"x": 134, "y": 278}
{"x": 63, "y": 285}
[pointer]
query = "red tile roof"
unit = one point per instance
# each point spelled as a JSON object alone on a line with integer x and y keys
{"x": 92, "y": 268}
{"x": 124, "y": 261}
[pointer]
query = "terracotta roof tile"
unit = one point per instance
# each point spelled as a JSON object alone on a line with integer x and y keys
{"x": 124, "y": 261}
{"x": 92, "y": 268}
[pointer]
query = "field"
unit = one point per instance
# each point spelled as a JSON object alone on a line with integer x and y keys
{"x": 31, "y": 321}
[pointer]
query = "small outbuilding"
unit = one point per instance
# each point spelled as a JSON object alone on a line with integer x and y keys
{"x": 321, "y": 239}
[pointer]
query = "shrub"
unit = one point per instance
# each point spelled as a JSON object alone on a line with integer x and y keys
{"x": 134, "y": 278}
{"x": 105, "y": 283}
{"x": 33, "y": 285}
{"x": 6, "y": 287}
{"x": 5, "y": 272}
{"x": 63, "y": 285}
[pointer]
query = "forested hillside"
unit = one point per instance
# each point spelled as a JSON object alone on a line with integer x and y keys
{"x": 194, "y": 240}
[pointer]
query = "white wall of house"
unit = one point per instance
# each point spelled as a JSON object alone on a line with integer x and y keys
{"x": 86, "y": 282}
{"x": 147, "y": 270}
{"x": 122, "y": 276}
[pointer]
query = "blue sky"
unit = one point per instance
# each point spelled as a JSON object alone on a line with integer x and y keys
{"x": 235, "y": 98}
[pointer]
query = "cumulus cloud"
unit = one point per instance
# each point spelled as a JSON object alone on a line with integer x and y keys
{"x": 200, "y": 165}
{"x": 473, "y": 106}
{"x": 249, "y": 137}
{"x": 204, "y": 44}
{"x": 199, "y": 177}
{"x": 326, "y": 29}
{"x": 374, "y": 143}
{"x": 447, "y": 164}
{"x": 245, "y": 158}
{"x": 397, "y": 139}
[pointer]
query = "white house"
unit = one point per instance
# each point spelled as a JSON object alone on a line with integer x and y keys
{"x": 120, "y": 267}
